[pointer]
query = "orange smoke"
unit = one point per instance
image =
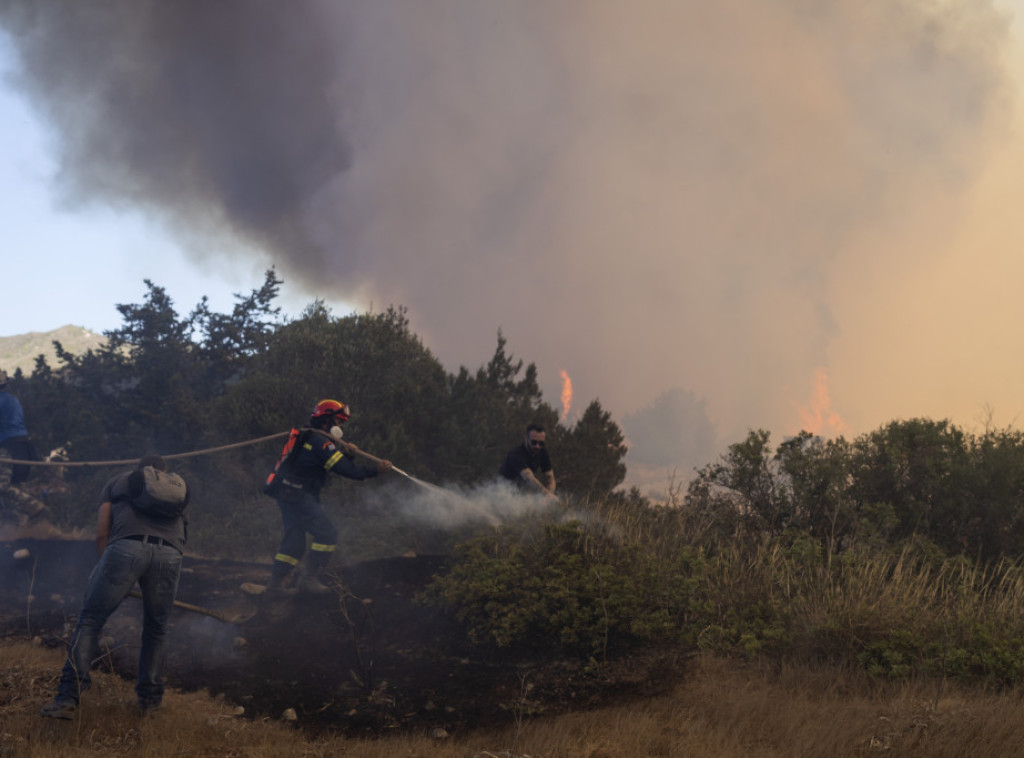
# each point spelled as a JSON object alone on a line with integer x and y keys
{"x": 566, "y": 394}
{"x": 820, "y": 419}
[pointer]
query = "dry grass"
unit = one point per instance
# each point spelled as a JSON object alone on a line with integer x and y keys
{"x": 723, "y": 709}
{"x": 836, "y": 605}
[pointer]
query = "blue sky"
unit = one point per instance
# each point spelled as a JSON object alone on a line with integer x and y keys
{"x": 72, "y": 267}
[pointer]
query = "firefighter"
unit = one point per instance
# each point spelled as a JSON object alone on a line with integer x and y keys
{"x": 299, "y": 476}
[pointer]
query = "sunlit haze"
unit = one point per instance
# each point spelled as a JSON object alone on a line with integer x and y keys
{"x": 709, "y": 216}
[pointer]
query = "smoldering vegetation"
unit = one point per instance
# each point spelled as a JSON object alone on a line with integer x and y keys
{"x": 720, "y": 707}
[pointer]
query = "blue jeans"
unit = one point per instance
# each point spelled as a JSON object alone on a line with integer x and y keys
{"x": 156, "y": 568}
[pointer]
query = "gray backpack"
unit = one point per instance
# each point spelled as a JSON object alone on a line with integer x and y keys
{"x": 156, "y": 493}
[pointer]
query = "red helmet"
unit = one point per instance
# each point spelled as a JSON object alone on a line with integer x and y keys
{"x": 330, "y": 408}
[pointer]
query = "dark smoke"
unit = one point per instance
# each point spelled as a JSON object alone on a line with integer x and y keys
{"x": 648, "y": 195}
{"x": 216, "y": 115}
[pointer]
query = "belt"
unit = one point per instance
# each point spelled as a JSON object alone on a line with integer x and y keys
{"x": 151, "y": 539}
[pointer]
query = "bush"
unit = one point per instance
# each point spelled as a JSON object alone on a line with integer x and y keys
{"x": 559, "y": 589}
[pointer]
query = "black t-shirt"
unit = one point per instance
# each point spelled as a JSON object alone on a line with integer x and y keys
{"x": 520, "y": 457}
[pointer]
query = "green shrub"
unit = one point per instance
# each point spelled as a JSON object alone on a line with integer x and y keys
{"x": 562, "y": 590}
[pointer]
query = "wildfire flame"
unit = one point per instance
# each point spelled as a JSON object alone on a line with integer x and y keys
{"x": 821, "y": 419}
{"x": 566, "y": 394}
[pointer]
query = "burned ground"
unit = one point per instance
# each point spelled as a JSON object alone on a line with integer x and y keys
{"x": 368, "y": 658}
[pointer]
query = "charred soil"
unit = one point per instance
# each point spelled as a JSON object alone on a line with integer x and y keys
{"x": 366, "y": 658}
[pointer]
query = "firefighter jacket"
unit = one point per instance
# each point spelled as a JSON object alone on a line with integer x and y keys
{"x": 315, "y": 454}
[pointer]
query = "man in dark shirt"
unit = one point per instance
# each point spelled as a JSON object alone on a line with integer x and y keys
{"x": 134, "y": 547}
{"x": 529, "y": 465}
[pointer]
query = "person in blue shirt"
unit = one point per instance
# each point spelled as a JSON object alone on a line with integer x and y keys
{"x": 15, "y": 503}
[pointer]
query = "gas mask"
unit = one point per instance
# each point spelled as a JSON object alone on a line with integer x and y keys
{"x": 336, "y": 432}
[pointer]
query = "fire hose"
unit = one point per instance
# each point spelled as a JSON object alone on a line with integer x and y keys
{"x": 206, "y": 451}
{"x": 134, "y": 461}
{"x": 192, "y": 454}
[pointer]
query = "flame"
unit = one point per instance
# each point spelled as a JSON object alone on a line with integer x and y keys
{"x": 821, "y": 418}
{"x": 566, "y": 394}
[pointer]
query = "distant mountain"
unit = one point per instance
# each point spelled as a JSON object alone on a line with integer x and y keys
{"x": 20, "y": 351}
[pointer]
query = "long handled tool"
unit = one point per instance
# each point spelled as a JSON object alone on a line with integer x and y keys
{"x": 228, "y": 617}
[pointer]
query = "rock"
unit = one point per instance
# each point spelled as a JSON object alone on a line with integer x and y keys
{"x": 290, "y": 715}
{"x": 238, "y": 711}
{"x": 439, "y": 734}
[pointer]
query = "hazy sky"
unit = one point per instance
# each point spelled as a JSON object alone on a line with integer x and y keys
{"x": 779, "y": 215}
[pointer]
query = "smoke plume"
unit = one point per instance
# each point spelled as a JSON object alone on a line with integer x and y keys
{"x": 674, "y": 430}
{"x": 656, "y": 194}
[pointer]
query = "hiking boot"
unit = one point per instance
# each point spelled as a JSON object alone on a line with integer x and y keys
{"x": 310, "y": 585}
{"x": 59, "y": 709}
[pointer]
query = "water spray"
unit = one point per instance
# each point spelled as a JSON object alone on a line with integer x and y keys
{"x": 449, "y": 494}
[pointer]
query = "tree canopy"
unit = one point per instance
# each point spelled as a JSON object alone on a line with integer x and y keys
{"x": 909, "y": 480}
{"x": 171, "y": 384}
